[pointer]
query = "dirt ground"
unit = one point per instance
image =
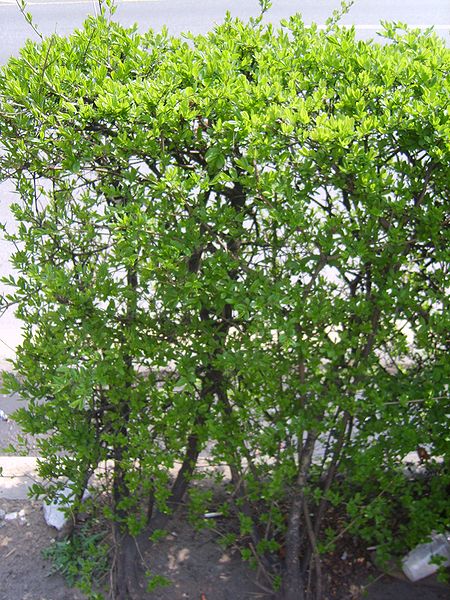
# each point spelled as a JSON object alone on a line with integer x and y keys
{"x": 24, "y": 574}
{"x": 193, "y": 560}
{"x": 198, "y": 567}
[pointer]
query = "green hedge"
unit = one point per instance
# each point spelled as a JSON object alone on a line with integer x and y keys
{"x": 238, "y": 238}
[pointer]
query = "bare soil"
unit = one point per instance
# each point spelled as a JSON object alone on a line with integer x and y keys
{"x": 193, "y": 560}
{"x": 24, "y": 574}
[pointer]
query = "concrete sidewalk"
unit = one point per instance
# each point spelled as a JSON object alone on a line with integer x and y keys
{"x": 17, "y": 474}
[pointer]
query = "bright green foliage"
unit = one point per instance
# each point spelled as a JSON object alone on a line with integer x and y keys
{"x": 238, "y": 238}
{"x": 156, "y": 581}
{"x": 81, "y": 560}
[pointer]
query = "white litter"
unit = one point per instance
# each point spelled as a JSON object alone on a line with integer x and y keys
{"x": 55, "y": 513}
{"x": 416, "y": 565}
{"x": 12, "y": 516}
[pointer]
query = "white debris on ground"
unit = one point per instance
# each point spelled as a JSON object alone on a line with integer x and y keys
{"x": 55, "y": 513}
{"x": 418, "y": 564}
{"x": 3, "y": 416}
{"x": 13, "y": 516}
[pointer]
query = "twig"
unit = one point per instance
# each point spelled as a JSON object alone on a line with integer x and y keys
{"x": 22, "y": 5}
{"x": 263, "y": 588}
{"x": 348, "y": 526}
{"x": 112, "y": 567}
{"x": 418, "y": 401}
{"x": 261, "y": 567}
{"x": 366, "y": 587}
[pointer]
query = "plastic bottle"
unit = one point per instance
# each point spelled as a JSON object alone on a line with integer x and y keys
{"x": 416, "y": 565}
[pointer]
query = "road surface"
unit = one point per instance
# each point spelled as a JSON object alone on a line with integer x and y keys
{"x": 198, "y": 16}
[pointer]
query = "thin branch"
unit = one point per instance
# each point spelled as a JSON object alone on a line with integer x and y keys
{"x": 22, "y": 6}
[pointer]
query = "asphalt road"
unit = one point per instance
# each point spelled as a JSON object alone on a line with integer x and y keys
{"x": 197, "y": 16}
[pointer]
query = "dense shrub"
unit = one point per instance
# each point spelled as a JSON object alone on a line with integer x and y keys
{"x": 237, "y": 238}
